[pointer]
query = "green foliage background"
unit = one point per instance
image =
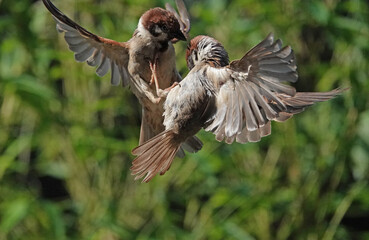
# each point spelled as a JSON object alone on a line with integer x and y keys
{"x": 66, "y": 135}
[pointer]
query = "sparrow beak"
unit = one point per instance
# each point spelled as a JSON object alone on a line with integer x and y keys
{"x": 179, "y": 35}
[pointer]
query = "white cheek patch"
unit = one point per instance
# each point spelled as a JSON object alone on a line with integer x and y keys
{"x": 143, "y": 31}
{"x": 161, "y": 36}
{"x": 194, "y": 58}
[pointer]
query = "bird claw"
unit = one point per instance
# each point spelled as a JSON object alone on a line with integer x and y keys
{"x": 163, "y": 93}
{"x": 171, "y": 87}
{"x": 159, "y": 92}
{"x": 153, "y": 73}
{"x": 157, "y": 100}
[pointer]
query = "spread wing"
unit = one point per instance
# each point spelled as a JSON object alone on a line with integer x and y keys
{"x": 96, "y": 51}
{"x": 251, "y": 93}
{"x": 183, "y": 16}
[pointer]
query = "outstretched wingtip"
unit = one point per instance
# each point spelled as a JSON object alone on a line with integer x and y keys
{"x": 342, "y": 89}
{"x": 306, "y": 99}
{"x": 54, "y": 10}
{"x": 270, "y": 36}
{"x": 182, "y": 17}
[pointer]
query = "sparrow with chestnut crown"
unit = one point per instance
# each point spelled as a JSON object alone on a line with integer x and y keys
{"x": 145, "y": 63}
{"x": 236, "y": 101}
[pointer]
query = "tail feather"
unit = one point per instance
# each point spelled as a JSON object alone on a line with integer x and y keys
{"x": 192, "y": 144}
{"x": 147, "y": 156}
{"x": 181, "y": 153}
{"x": 144, "y": 146}
{"x": 154, "y": 156}
{"x": 151, "y": 168}
{"x": 168, "y": 164}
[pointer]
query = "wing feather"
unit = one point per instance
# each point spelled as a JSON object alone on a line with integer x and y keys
{"x": 84, "y": 55}
{"x": 95, "y": 58}
{"x": 104, "y": 66}
{"x": 249, "y": 117}
{"x": 104, "y": 53}
{"x": 183, "y": 17}
{"x": 251, "y": 93}
{"x": 232, "y": 117}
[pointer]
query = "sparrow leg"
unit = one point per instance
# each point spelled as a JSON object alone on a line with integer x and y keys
{"x": 153, "y": 79}
{"x": 143, "y": 88}
{"x": 159, "y": 92}
{"x": 163, "y": 93}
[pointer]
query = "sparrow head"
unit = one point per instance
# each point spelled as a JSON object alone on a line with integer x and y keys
{"x": 162, "y": 25}
{"x": 206, "y": 49}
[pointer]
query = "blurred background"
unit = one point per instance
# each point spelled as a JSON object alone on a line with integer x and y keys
{"x": 66, "y": 134}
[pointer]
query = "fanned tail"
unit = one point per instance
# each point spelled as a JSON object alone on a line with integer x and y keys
{"x": 154, "y": 156}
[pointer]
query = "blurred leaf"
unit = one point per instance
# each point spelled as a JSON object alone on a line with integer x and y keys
{"x": 56, "y": 220}
{"x": 66, "y": 134}
{"x": 319, "y": 11}
{"x": 237, "y": 232}
{"x": 12, "y": 151}
{"x": 363, "y": 127}
{"x": 33, "y": 93}
{"x": 352, "y": 25}
{"x": 13, "y": 212}
{"x": 360, "y": 157}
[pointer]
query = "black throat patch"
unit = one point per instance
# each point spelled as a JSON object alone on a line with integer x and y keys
{"x": 163, "y": 46}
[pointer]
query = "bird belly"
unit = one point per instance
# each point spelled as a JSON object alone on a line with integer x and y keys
{"x": 154, "y": 117}
{"x": 184, "y": 108}
{"x": 166, "y": 68}
{"x": 166, "y": 74}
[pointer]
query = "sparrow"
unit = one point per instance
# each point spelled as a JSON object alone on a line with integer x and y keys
{"x": 145, "y": 63}
{"x": 236, "y": 101}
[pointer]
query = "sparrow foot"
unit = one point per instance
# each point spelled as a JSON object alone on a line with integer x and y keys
{"x": 163, "y": 93}
{"x": 154, "y": 78}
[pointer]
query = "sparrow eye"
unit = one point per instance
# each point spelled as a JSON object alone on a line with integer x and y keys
{"x": 165, "y": 28}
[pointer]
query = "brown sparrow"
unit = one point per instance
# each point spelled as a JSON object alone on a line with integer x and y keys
{"x": 236, "y": 101}
{"x": 145, "y": 63}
